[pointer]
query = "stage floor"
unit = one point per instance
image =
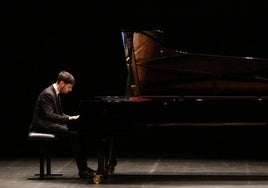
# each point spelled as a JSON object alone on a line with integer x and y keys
{"x": 141, "y": 172}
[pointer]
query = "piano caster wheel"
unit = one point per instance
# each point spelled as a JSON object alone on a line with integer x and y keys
{"x": 97, "y": 178}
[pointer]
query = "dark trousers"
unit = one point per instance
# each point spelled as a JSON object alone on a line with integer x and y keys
{"x": 77, "y": 147}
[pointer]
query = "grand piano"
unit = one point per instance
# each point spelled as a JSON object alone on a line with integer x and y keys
{"x": 169, "y": 87}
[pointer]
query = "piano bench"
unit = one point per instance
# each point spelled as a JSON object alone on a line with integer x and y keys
{"x": 43, "y": 140}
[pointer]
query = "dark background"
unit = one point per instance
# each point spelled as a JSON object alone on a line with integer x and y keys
{"x": 40, "y": 38}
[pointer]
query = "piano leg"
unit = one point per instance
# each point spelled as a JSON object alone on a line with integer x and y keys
{"x": 102, "y": 158}
{"x": 111, "y": 162}
{"x": 106, "y": 158}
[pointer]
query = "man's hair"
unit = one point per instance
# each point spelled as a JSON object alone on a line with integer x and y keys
{"x": 66, "y": 77}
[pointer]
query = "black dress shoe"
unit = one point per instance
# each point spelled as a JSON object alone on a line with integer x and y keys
{"x": 85, "y": 174}
{"x": 90, "y": 170}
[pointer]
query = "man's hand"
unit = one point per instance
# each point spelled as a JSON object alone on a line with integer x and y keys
{"x": 74, "y": 117}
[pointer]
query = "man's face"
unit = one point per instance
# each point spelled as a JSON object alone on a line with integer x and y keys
{"x": 65, "y": 88}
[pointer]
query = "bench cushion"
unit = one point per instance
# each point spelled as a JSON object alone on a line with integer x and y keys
{"x": 41, "y": 136}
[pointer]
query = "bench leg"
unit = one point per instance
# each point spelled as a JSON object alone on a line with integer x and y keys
{"x": 44, "y": 160}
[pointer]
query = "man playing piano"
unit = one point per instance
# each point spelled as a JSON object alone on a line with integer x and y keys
{"x": 48, "y": 117}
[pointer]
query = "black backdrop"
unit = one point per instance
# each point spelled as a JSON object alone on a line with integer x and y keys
{"x": 41, "y": 38}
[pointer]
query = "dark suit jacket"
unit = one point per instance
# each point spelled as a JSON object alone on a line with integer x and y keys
{"x": 48, "y": 115}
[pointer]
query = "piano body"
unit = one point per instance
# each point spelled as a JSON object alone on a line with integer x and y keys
{"x": 167, "y": 87}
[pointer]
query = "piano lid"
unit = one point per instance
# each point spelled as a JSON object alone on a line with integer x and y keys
{"x": 157, "y": 69}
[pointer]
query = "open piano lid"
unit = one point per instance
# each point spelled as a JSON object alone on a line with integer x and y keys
{"x": 158, "y": 70}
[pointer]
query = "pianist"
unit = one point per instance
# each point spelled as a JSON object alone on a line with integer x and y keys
{"x": 48, "y": 117}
